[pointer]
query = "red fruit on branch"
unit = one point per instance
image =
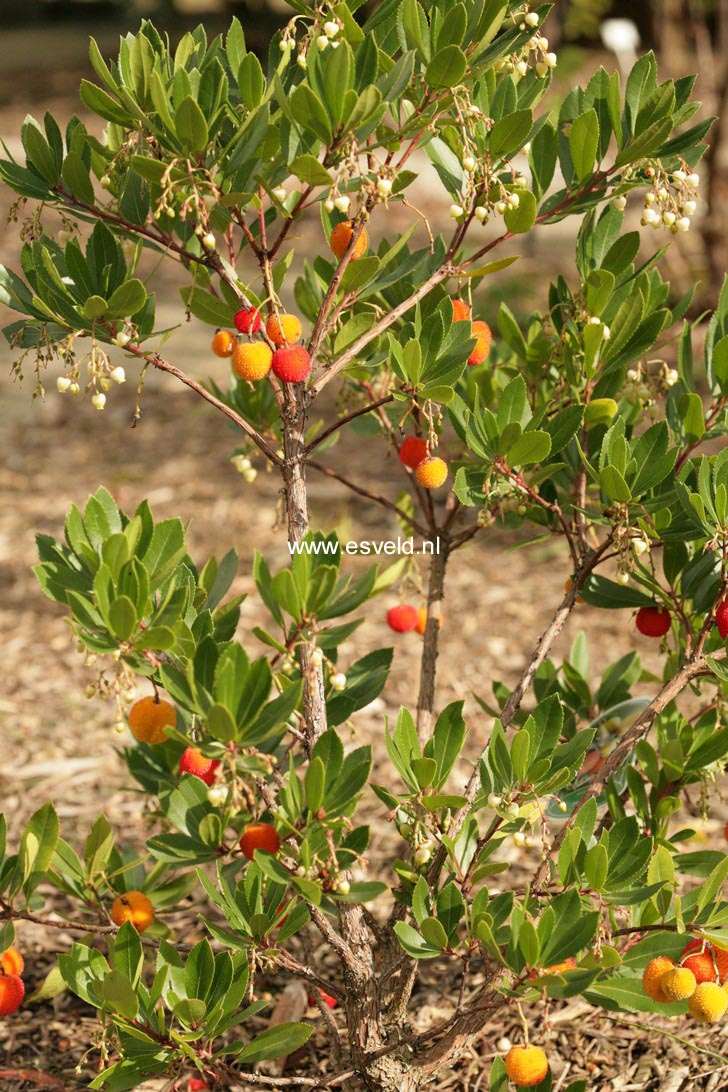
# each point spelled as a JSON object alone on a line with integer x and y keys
{"x": 402, "y": 619}
{"x": 653, "y": 621}
{"x": 412, "y": 451}
{"x": 292, "y": 365}
{"x": 194, "y": 762}
{"x": 721, "y": 618}
{"x": 12, "y": 992}
{"x": 247, "y": 320}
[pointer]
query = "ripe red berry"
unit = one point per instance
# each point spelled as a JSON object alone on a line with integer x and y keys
{"x": 194, "y": 762}
{"x": 402, "y": 619}
{"x": 247, "y": 320}
{"x": 412, "y": 451}
{"x": 325, "y": 997}
{"x": 196, "y": 1084}
{"x": 292, "y": 365}
{"x": 12, "y": 992}
{"x": 721, "y": 618}
{"x": 653, "y": 621}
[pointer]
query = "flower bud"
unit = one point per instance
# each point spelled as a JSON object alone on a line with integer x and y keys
{"x": 562, "y": 805}
{"x": 343, "y": 887}
{"x": 551, "y": 60}
{"x": 74, "y": 388}
{"x": 620, "y": 202}
{"x": 342, "y": 203}
{"x": 422, "y": 856}
{"x": 384, "y": 187}
{"x": 302, "y": 61}
{"x": 693, "y": 180}
{"x": 513, "y": 811}
{"x": 331, "y": 29}
{"x": 322, "y": 43}
{"x": 494, "y": 800}
{"x": 531, "y": 19}
{"x": 105, "y": 383}
{"x": 522, "y": 68}
{"x": 668, "y": 218}
{"x": 99, "y": 400}
{"x": 338, "y": 681}
{"x": 639, "y": 546}
{"x": 679, "y": 177}
{"x": 279, "y": 193}
{"x": 469, "y": 163}
{"x": 105, "y": 182}
{"x": 121, "y": 340}
{"x": 622, "y": 578}
{"x": 513, "y": 200}
{"x": 500, "y": 207}
{"x": 683, "y": 224}
{"x": 456, "y": 211}
{"x": 209, "y": 240}
{"x": 690, "y": 208}
{"x": 63, "y": 383}
{"x": 481, "y": 214}
{"x": 64, "y": 236}
{"x": 317, "y": 657}
{"x": 217, "y": 795}
{"x": 329, "y": 204}
{"x": 118, "y": 375}
{"x": 519, "y": 839}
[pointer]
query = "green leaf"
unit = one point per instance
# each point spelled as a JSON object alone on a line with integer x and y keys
{"x": 309, "y": 170}
{"x": 523, "y": 218}
{"x": 510, "y": 133}
{"x": 37, "y": 847}
{"x": 277, "y": 1042}
{"x": 413, "y": 943}
{"x": 189, "y": 121}
{"x": 127, "y": 300}
{"x": 118, "y": 994}
{"x": 77, "y": 179}
{"x": 447, "y": 67}
{"x": 207, "y": 308}
{"x": 122, "y": 618}
{"x": 583, "y": 143}
{"x": 530, "y": 447}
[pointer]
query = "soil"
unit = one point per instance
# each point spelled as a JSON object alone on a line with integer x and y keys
{"x": 60, "y": 745}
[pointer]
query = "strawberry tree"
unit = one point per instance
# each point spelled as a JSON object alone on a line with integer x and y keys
{"x": 581, "y": 421}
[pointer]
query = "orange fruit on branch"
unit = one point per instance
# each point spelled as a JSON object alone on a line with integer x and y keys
{"x": 149, "y": 719}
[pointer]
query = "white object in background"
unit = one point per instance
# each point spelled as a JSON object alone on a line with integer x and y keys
{"x": 622, "y": 37}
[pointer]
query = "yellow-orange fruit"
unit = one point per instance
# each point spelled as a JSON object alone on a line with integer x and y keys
{"x": 134, "y": 906}
{"x": 652, "y": 978}
{"x": 223, "y": 343}
{"x": 341, "y": 237}
{"x": 709, "y": 1002}
{"x": 283, "y": 329}
{"x": 526, "y": 1066}
{"x": 481, "y": 352}
{"x": 11, "y": 961}
{"x": 460, "y": 311}
{"x": 422, "y": 621}
{"x": 252, "y": 360}
{"x": 431, "y": 473}
{"x": 678, "y": 984}
{"x": 149, "y": 719}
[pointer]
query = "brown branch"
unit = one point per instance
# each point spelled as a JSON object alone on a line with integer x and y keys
{"x": 163, "y": 365}
{"x": 376, "y": 497}
{"x": 435, "y": 594}
{"x": 345, "y": 421}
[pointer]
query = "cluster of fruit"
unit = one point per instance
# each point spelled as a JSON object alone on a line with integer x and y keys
{"x": 253, "y": 360}
{"x": 700, "y": 978}
{"x": 12, "y": 988}
{"x": 404, "y": 619}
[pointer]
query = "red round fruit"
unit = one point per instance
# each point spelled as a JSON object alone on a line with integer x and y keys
{"x": 196, "y": 1084}
{"x": 194, "y": 762}
{"x": 247, "y": 320}
{"x": 292, "y": 365}
{"x": 413, "y": 451}
{"x": 259, "y": 836}
{"x": 325, "y": 997}
{"x": 12, "y": 992}
{"x": 721, "y": 618}
{"x": 402, "y": 619}
{"x": 653, "y": 621}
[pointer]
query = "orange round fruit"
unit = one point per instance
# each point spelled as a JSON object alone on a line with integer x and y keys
{"x": 526, "y": 1066}
{"x": 252, "y": 360}
{"x": 431, "y": 473}
{"x": 259, "y": 836}
{"x": 340, "y": 238}
{"x": 412, "y": 451}
{"x": 652, "y": 978}
{"x": 460, "y": 311}
{"x": 283, "y": 329}
{"x": 481, "y": 352}
{"x": 422, "y": 621}
{"x": 149, "y": 719}
{"x": 709, "y": 1003}
{"x": 11, "y": 961}
{"x": 134, "y": 906}
{"x": 223, "y": 343}
{"x": 708, "y": 963}
{"x": 12, "y": 992}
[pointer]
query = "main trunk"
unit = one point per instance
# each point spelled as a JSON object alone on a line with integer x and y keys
{"x": 294, "y": 415}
